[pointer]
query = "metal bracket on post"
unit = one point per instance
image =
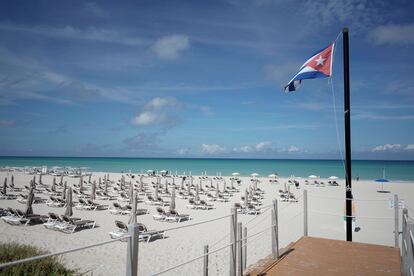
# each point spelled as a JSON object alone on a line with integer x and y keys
{"x": 132, "y": 253}
{"x": 396, "y": 226}
{"x": 205, "y": 269}
{"x": 245, "y": 248}
{"x": 275, "y": 234}
{"x": 305, "y": 213}
{"x": 233, "y": 246}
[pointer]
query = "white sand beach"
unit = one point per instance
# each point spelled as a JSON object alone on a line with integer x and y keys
{"x": 375, "y": 218}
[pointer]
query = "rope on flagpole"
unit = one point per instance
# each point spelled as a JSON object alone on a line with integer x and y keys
{"x": 330, "y": 81}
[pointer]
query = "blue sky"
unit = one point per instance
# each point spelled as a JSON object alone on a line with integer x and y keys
{"x": 202, "y": 78}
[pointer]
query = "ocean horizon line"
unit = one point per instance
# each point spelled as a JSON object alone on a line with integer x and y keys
{"x": 205, "y": 158}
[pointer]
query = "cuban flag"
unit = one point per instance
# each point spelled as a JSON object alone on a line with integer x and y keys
{"x": 318, "y": 66}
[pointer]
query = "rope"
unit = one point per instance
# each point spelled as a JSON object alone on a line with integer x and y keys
{"x": 344, "y": 216}
{"x": 194, "y": 224}
{"x": 342, "y": 199}
{"x": 191, "y": 260}
{"x": 59, "y": 253}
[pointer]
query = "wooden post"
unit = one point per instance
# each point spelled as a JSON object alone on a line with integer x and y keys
{"x": 132, "y": 254}
{"x": 396, "y": 226}
{"x": 245, "y": 248}
{"x": 205, "y": 269}
{"x": 404, "y": 243}
{"x": 233, "y": 245}
{"x": 275, "y": 235}
{"x": 240, "y": 248}
{"x": 305, "y": 212}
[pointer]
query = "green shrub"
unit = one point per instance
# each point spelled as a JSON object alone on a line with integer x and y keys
{"x": 48, "y": 266}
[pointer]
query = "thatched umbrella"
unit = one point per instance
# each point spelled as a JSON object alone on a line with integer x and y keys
{"x": 69, "y": 211}
{"x": 172, "y": 204}
{"x": 5, "y": 186}
{"x": 133, "y": 216}
{"x": 93, "y": 191}
{"x": 64, "y": 190}
{"x": 131, "y": 192}
{"x": 29, "y": 202}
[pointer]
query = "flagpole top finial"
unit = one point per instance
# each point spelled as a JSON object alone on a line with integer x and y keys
{"x": 345, "y": 30}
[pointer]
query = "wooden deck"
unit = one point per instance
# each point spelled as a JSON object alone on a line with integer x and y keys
{"x": 317, "y": 256}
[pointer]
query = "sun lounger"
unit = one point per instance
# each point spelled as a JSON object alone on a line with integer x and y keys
{"x": 55, "y": 202}
{"x": 173, "y": 216}
{"x": 70, "y": 225}
{"x": 7, "y": 196}
{"x": 53, "y": 221}
{"x": 18, "y": 217}
{"x": 161, "y": 215}
{"x": 97, "y": 205}
{"x": 144, "y": 234}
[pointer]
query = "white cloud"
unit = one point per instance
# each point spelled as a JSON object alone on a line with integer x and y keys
{"x": 262, "y": 146}
{"x": 393, "y": 34}
{"x": 158, "y": 111}
{"x": 293, "y": 149}
{"x": 212, "y": 148}
{"x": 409, "y": 147}
{"x": 183, "y": 151}
{"x": 243, "y": 149}
{"x": 170, "y": 47}
{"x": 387, "y": 147}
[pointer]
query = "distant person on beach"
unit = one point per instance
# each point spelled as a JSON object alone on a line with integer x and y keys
{"x": 357, "y": 178}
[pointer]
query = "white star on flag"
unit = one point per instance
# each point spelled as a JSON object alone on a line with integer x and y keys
{"x": 320, "y": 60}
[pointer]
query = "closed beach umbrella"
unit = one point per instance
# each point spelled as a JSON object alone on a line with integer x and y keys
{"x": 141, "y": 184}
{"x": 188, "y": 188}
{"x": 5, "y": 186}
{"x": 40, "y": 178}
{"x": 166, "y": 187}
{"x": 156, "y": 191}
{"x": 246, "y": 197}
{"x": 64, "y": 190}
{"x": 12, "y": 180}
{"x": 61, "y": 180}
{"x": 29, "y": 202}
{"x": 172, "y": 204}
{"x": 232, "y": 183}
{"x": 81, "y": 183}
{"x": 93, "y": 190}
{"x": 34, "y": 181}
{"x": 99, "y": 183}
{"x": 89, "y": 180}
{"x": 217, "y": 190}
{"x": 69, "y": 211}
{"x": 131, "y": 193}
{"x": 53, "y": 185}
{"x": 197, "y": 196}
{"x": 182, "y": 183}
{"x": 106, "y": 185}
{"x": 133, "y": 217}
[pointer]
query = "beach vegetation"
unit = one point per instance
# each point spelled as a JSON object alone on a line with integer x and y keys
{"x": 47, "y": 266}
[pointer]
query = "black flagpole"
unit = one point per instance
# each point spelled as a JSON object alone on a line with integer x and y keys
{"x": 347, "y": 109}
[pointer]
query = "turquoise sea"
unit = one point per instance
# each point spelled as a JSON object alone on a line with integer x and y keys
{"x": 369, "y": 169}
